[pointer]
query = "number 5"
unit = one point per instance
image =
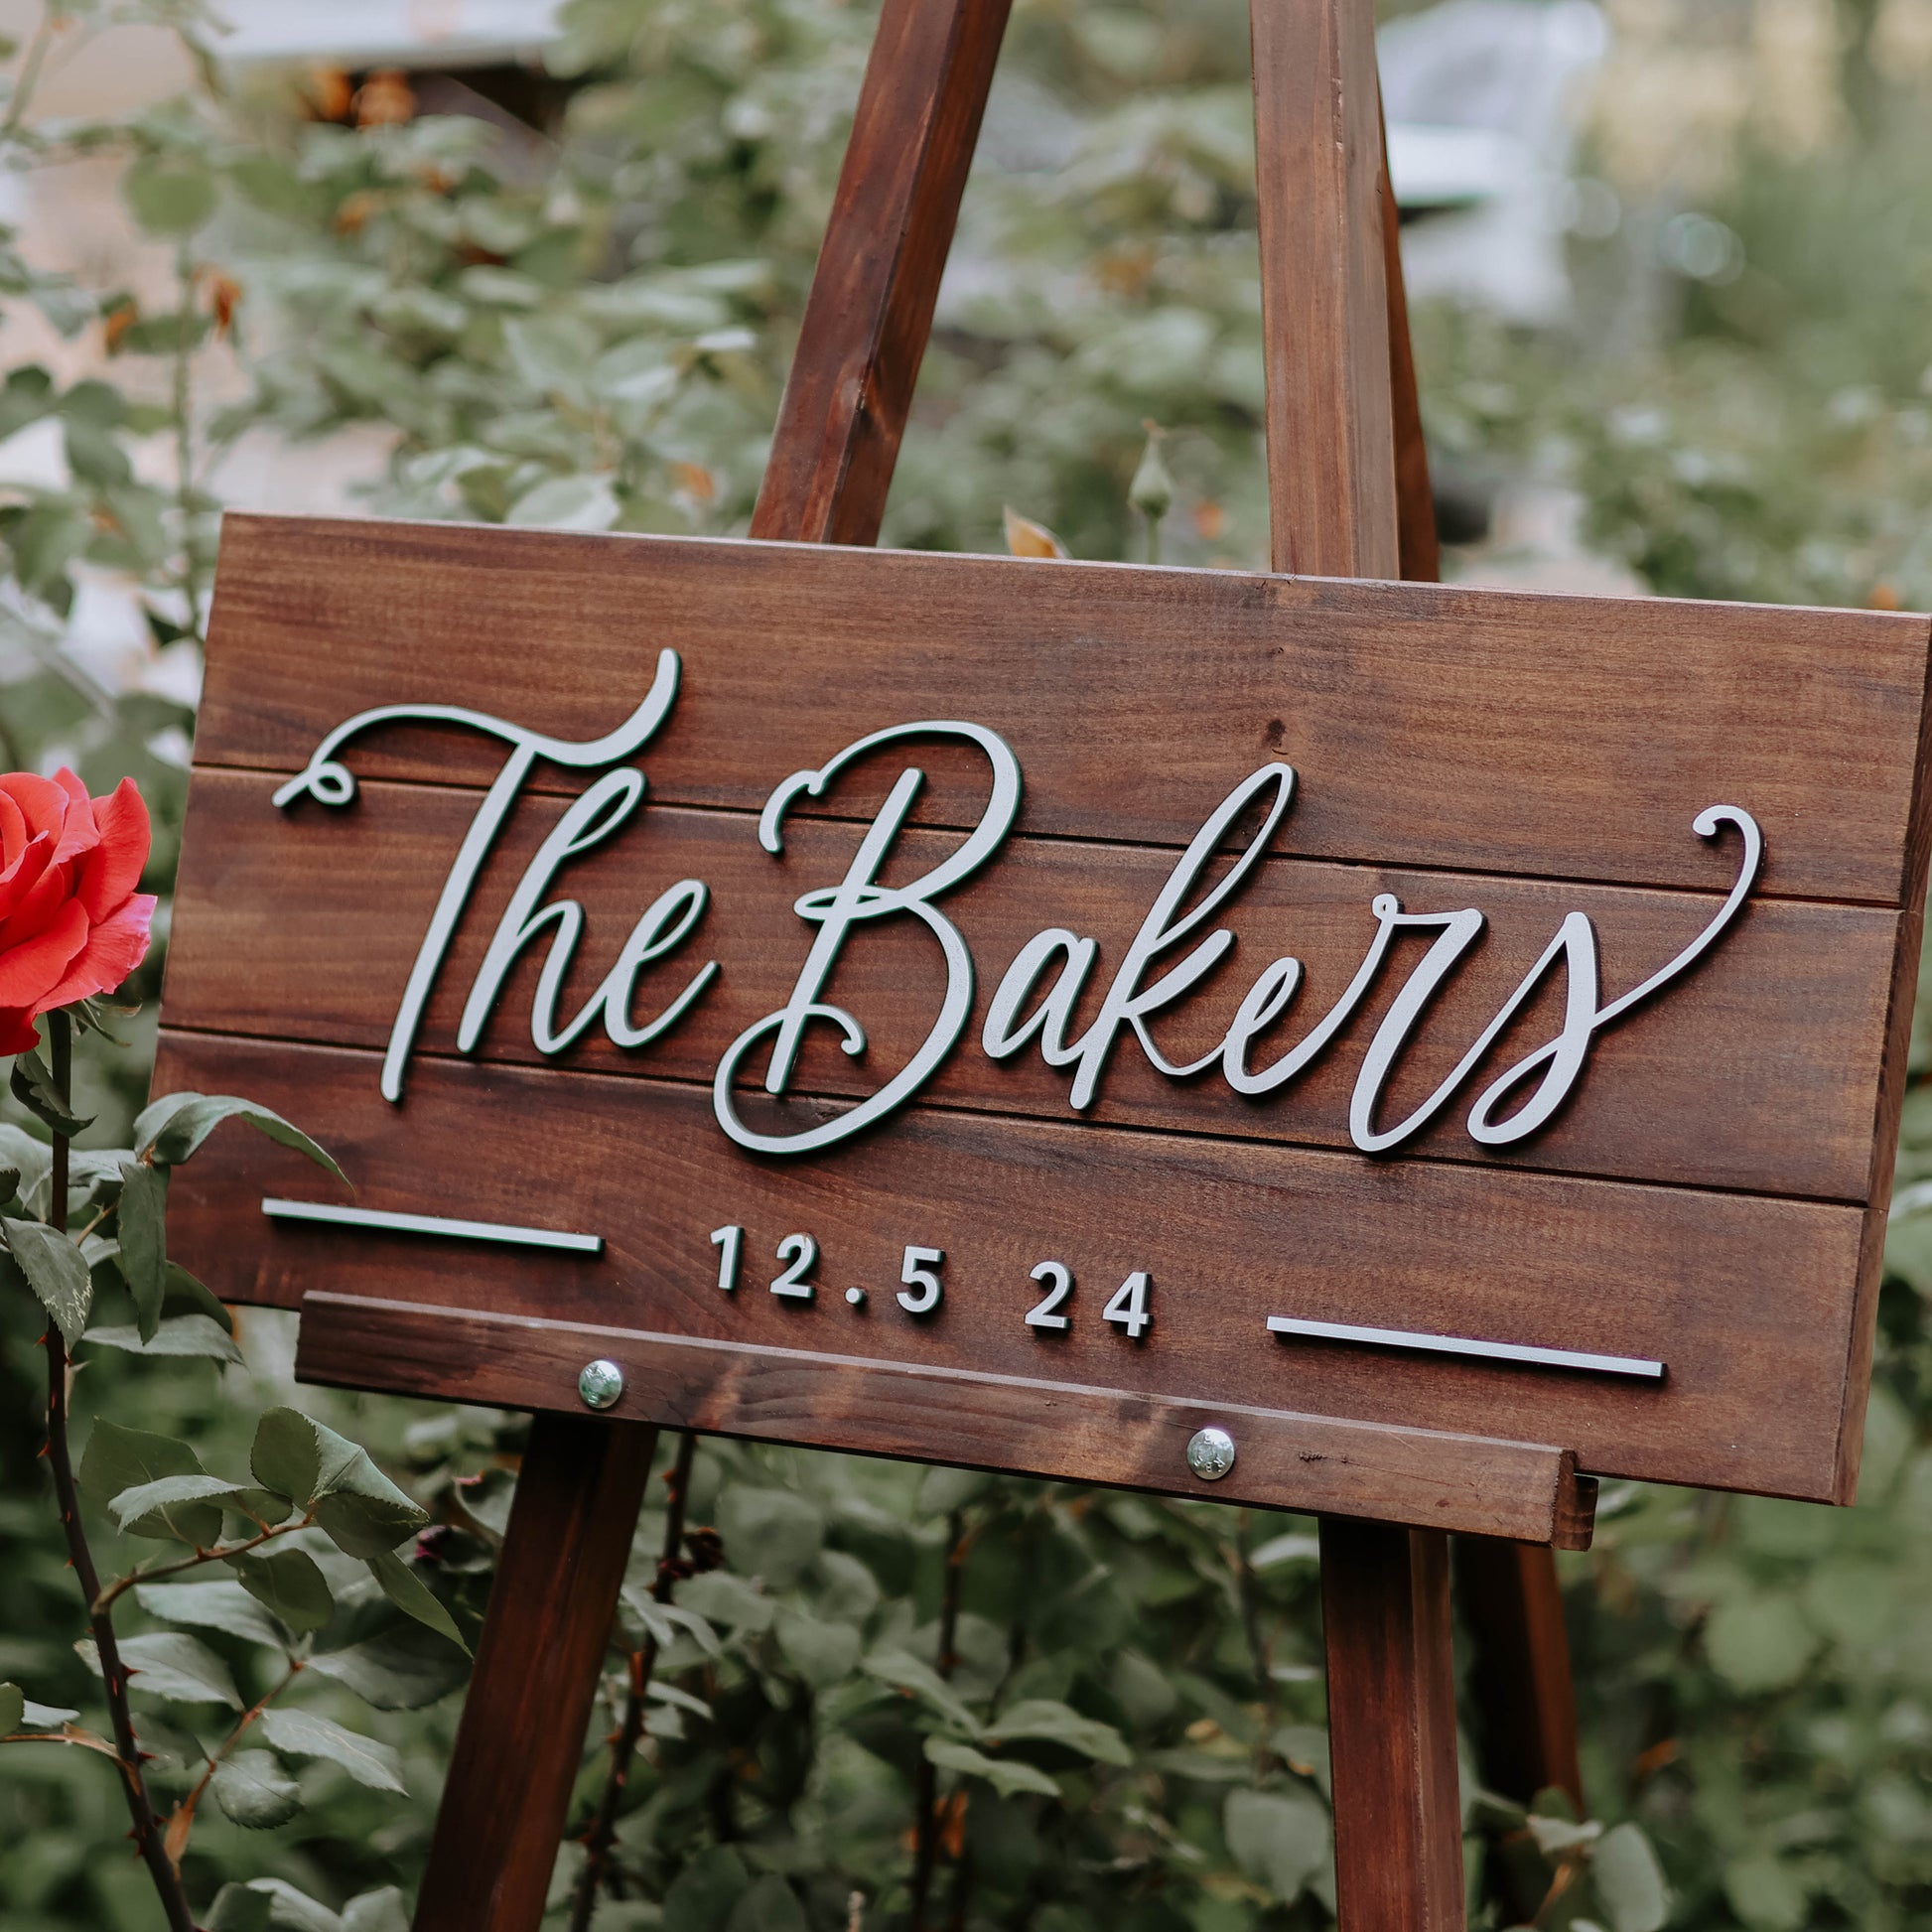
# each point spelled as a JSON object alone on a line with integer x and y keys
{"x": 918, "y": 1273}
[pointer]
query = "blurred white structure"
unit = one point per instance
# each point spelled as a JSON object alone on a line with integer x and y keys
{"x": 386, "y": 33}
{"x": 1482, "y": 98}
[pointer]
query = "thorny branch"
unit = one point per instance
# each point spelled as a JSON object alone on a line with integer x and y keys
{"x": 147, "y": 1832}
{"x": 623, "y": 1742}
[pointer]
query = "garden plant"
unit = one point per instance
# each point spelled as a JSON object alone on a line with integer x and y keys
{"x": 841, "y": 1694}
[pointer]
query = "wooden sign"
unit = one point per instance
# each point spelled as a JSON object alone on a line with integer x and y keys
{"x": 1027, "y": 1015}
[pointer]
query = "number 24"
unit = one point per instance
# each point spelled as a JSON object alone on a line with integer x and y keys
{"x": 1128, "y": 1309}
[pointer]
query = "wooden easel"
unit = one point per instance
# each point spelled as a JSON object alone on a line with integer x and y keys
{"x": 1349, "y": 497}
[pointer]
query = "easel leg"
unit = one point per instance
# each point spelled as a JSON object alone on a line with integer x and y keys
{"x": 1385, "y": 1608}
{"x": 521, "y": 1743}
{"x": 1521, "y": 1682}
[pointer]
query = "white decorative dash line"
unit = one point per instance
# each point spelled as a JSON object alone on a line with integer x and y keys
{"x": 371, "y": 1217}
{"x": 1496, "y": 1351}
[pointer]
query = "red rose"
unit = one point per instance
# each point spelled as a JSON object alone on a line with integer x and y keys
{"x": 72, "y": 923}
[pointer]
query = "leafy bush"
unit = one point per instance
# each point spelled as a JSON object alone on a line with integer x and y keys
{"x": 1060, "y": 1708}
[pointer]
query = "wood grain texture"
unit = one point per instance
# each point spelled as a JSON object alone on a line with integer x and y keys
{"x": 1758, "y": 1073}
{"x": 1324, "y": 288}
{"x": 869, "y": 311}
{"x": 1567, "y": 738}
{"x": 1419, "y": 552}
{"x": 1385, "y": 1616}
{"x": 862, "y": 341}
{"x": 521, "y": 1741}
{"x": 1743, "y": 1298}
{"x": 1115, "y": 1436}
{"x": 1519, "y": 1678}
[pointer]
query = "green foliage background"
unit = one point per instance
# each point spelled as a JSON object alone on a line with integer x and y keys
{"x": 590, "y": 329}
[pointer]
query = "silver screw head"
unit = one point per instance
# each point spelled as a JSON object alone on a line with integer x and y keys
{"x": 601, "y": 1384}
{"x": 1210, "y": 1454}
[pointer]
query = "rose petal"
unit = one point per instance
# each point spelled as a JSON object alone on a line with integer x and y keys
{"x": 77, "y": 833}
{"x": 37, "y": 907}
{"x": 112, "y": 951}
{"x": 20, "y": 876}
{"x": 28, "y": 970}
{"x": 113, "y": 868}
{"x": 13, "y": 829}
{"x": 17, "y": 1031}
{"x": 43, "y": 804}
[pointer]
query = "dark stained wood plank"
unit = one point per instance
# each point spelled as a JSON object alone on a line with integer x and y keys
{"x": 1385, "y": 1614}
{"x": 1324, "y": 291}
{"x": 869, "y": 311}
{"x": 1759, "y": 1072}
{"x": 832, "y": 455}
{"x": 1089, "y": 1435}
{"x": 1743, "y": 1298}
{"x": 1519, "y": 1678}
{"x": 521, "y": 1741}
{"x": 1419, "y": 553}
{"x": 1432, "y": 726}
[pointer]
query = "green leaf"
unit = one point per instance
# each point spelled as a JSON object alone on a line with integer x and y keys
{"x": 56, "y": 1272}
{"x": 821, "y": 1653}
{"x": 1059, "y": 1723}
{"x": 567, "y": 503}
{"x": 286, "y": 1457}
{"x": 184, "y": 1294}
{"x": 25, "y": 398}
{"x": 45, "y": 542}
{"x": 168, "y": 1664}
{"x": 770, "y": 1906}
{"x": 118, "y": 1460}
{"x": 414, "y": 1597}
{"x": 156, "y": 1508}
{"x": 376, "y": 1911}
{"x": 663, "y": 1692}
{"x": 143, "y": 1230}
{"x": 722, "y": 1597}
{"x": 96, "y": 455}
{"x": 33, "y": 1086}
{"x": 12, "y": 1709}
{"x": 1280, "y": 1838}
{"x": 171, "y": 1129}
{"x": 218, "y": 1606}
{"x": 906, "y": 1673}
{"x": 1759, "y": 1643}
{"x": 1556, "y": 1836}
{"x": 408, "y": 1668}
{"x": 702, "y": 1895}
{"x": 255, "y": 1791}
{"x": 1629, "y": 1881}
{"x": 120, "y": 1464}
{"x": 174, "y": 197}
{"x": 1005, "y": 1774}
{"x": 365, "y": 1514}
{"x": 178, "y": 1336}
{"x": 269, "y": 1905}
{"x": 240, "y": 1909}
{"x": 272, "y": 185}
{"x": 47, "y": 1716}
{"x": 289, "y": 1583}
{"x": 26, "y": 1157}
{"x": 301, "y": 1733}
{"x": 666, "y": 1622}
{"x": 368, "y": 1526}
{"x": 782, "y": 1527}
